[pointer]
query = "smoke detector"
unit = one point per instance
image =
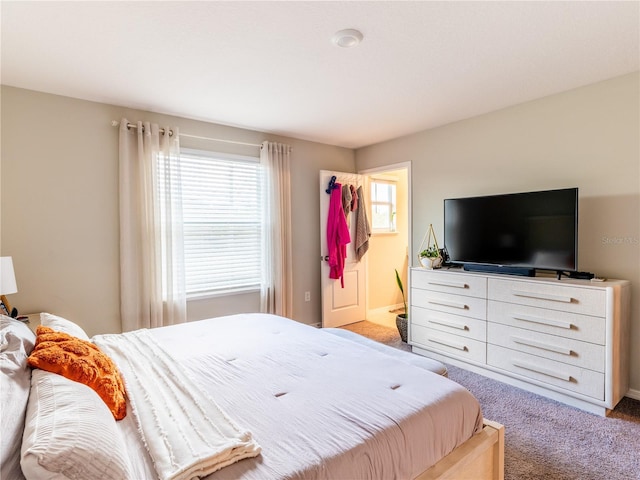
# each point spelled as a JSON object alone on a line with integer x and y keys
{"x": 347, "y": 38}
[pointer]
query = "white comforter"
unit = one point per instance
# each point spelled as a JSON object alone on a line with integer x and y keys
{"x": 320, "y": 406}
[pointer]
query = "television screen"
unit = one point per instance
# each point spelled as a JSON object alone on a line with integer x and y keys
{"x": 535, "y": 230}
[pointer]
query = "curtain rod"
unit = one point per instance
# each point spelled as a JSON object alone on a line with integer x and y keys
{"x": 115, "y": 123}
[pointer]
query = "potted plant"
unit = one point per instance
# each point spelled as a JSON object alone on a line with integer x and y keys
{"x": 402, "y": 318}
{"x": 430, "y": 257}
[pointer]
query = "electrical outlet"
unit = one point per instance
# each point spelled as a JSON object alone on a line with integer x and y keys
{"x": 307, "y": 296}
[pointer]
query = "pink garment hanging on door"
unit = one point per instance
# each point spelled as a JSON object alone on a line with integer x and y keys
{"x": 337, "y": 235}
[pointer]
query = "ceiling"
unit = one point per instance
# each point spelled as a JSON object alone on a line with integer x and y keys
{"x": 271, "y": 66}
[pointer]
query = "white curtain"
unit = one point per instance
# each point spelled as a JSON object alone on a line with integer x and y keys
{"x": 152, "y": 283}
{"x": 277, "y": 274}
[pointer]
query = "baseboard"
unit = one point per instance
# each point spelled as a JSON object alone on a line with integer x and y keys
{"x": 383, "y": 310}
{"x": 635, "y": 394}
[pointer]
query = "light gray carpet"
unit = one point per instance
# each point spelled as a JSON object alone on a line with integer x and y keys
{"x": 546, "y": 439}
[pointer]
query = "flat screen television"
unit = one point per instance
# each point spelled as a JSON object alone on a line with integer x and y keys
{"x": 513, "y": 233}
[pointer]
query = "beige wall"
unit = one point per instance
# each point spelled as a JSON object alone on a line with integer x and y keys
{"x": 388, "y": 252}
{"x": 588, "y": 137}
{"x": 59, "y": 203}
{"x": 59, "y": 207}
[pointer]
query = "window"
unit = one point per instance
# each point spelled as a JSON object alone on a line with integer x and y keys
{"x": 221, "y": 202}
{"x": 383, "y": 206}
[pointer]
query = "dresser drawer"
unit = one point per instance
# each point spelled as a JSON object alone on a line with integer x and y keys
{"x": 448, "y": 303}
{"x": 449, "y": 282}
{"x": 566, "y": 298}
{"x": 554, "y": 322}
{"x": 572, "y": 352}
{"x": 453, "y": 345}
{"x": 446, "y": 322}
{"x": 569, "y": 377}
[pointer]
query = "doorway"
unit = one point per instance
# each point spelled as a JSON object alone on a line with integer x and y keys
{"x": 390, "y": 242}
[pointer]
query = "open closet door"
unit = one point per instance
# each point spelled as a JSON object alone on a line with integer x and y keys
{"x": 341, "y": 306}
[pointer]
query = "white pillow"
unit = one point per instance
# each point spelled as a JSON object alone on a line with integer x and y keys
{"x": 70, "y": 433}
{"x": 16, "y": 343}
{"x": 63, "y": 325}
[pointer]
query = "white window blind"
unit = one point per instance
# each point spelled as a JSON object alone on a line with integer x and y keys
{"x": 222, "y": 197}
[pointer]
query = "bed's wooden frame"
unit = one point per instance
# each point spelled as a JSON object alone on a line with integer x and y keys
{"x": 479, "y": 458}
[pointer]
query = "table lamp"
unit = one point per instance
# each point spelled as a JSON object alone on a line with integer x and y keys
{"x": 7, "y": 286}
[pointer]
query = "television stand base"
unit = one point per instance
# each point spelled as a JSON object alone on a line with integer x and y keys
{"x": 500, "y": 269}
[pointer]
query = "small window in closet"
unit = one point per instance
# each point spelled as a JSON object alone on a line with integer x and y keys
{"x": 383, "y": 206}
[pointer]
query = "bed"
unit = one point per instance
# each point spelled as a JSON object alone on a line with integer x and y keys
{"x": 290, "y": 400}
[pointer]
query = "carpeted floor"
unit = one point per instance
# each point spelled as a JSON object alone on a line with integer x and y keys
{"x": 546, "y": 439}
{"x": 382, "y": 334}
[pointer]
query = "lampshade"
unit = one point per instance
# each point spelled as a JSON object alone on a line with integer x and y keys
{"x": 7, "y": 276}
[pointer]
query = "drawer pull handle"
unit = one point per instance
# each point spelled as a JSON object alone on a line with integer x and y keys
{"x": 543, "y": 321}
{"x": 543, "y": 296}
{"x": 449, "y": 323}
{"x": 444, "y": 303}
{"x": 457, "y": 346}
{"x": 544, "y": 371}
{"x": 542, "y": 345}
{"x": 450, "y": 284}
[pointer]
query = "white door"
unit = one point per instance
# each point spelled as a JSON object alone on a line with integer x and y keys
{"x": 341, "y": 306}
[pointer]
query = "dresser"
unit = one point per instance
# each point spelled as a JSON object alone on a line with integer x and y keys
{"x": 565, "y": 339}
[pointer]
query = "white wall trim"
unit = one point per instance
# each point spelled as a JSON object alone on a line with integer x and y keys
{"x": 383, "y": 310}
{"x": 635, "y": 394}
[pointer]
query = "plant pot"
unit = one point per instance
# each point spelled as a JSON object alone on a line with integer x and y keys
{"x": 431, "y": 262}
{"x": 402, "y": 324}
